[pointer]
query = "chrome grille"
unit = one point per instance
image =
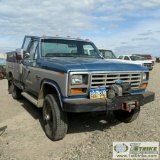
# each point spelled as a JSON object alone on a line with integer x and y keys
{"x": 105, "y": 80}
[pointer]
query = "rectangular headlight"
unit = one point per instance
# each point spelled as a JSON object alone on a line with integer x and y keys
{"x": 76, "y": 79}
{"x": 144, "y": 76}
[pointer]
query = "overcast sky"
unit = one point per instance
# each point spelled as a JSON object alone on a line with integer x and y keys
{"x": 125, "y": 26}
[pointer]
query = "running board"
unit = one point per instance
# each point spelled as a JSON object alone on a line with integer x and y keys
{"x": 30, "y": 97}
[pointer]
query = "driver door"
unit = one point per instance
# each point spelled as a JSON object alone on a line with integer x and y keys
{"x": 29, "y": 68}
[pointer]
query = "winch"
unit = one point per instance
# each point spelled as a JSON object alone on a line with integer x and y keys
{"x": 118, "y": 89}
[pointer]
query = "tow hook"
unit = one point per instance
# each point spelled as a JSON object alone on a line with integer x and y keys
{"x": 129, "y": 105}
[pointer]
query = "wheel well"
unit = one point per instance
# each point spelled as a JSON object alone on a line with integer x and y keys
{"x": 45, "y": 90}
{"x": 49, "y": 89}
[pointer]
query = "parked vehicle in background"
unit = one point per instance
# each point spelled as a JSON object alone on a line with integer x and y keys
{"x": 136, "y": 59}
{"x": 107, "y": 54}
{"x": 2, "y": 68}
{"x": 61, "y": 76}
{"x": 146, "y": 60}
{"x": 157, "y": 59}
{"x": 148, "y": 56}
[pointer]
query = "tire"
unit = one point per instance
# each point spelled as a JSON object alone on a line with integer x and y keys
{"x": 16, "y": 92}
{"x": 10, "y": 87}
{"x": 125, "y": 116}
{"x": 55, "y": 120}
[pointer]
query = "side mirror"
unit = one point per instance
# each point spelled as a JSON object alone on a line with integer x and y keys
{"x": 26, "y": 55}
{"x": 19, "y": 54}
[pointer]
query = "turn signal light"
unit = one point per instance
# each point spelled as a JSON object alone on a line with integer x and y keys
{"x": 76, "y": 90}
{"x": 143, "y": 85}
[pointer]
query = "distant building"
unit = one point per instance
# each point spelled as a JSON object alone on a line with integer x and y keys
{"x": 3, "y": 55}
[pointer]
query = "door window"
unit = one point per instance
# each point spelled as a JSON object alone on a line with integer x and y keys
{"x": 33, "y": 50}
{"x": 120, "y": 57}
{"x": 26, "y": 43}
{"x": 126, "y": 58}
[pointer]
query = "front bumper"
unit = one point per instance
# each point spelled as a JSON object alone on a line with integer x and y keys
{"x": 93, "y": 105}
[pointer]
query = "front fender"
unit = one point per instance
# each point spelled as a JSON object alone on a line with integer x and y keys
{"x": 41, "y": 94}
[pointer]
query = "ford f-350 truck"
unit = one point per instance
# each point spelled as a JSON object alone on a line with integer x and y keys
{"x": 57, "y": 74}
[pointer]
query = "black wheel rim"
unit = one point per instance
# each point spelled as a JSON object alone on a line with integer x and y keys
{"x": 48, "y": 118}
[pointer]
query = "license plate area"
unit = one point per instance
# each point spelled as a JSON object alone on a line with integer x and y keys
{"x": 98, "y": 93}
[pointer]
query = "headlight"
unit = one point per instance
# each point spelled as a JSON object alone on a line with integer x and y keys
{"x": 76, "y": 79}
{"x": 144, "y": 76}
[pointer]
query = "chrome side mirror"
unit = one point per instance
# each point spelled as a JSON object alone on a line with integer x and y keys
{"x": 26, "y": 55}
{"x": 21, "y": 54}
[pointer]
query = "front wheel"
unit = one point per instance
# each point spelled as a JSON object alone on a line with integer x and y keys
{"x": 55, "y": 120}
{"x": 125, "y": 116}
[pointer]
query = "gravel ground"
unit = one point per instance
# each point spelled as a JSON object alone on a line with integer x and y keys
{"x": 89, "y": 136}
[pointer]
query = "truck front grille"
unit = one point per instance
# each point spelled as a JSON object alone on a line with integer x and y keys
{"x": 105, "y": 80}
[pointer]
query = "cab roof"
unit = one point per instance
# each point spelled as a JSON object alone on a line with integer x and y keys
{"x": 57, "y": 37}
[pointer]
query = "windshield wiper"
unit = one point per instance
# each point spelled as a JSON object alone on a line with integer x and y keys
{"x": 87, "y": 56}
{"x": 58, "y": 55}
{"x": 70, "y": 55}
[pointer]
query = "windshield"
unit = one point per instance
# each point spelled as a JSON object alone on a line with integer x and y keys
{"x": 108, "y": 54}
{"x": 144, "y": 58}
{"x": 68, "y": 48}
{"x": 135, "y": 58}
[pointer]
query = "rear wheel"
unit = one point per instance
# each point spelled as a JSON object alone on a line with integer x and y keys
{"x": 125, "y": 116}
{"x": 10, "y": 87}
{"x": 55, "y": 120}
{"x": 16, "y": 92}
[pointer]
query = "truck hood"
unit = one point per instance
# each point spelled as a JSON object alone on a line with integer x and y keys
{"x": 66, "y": 64}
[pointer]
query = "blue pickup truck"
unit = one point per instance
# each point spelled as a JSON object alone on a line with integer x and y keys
{"x": 59, "y": 75}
